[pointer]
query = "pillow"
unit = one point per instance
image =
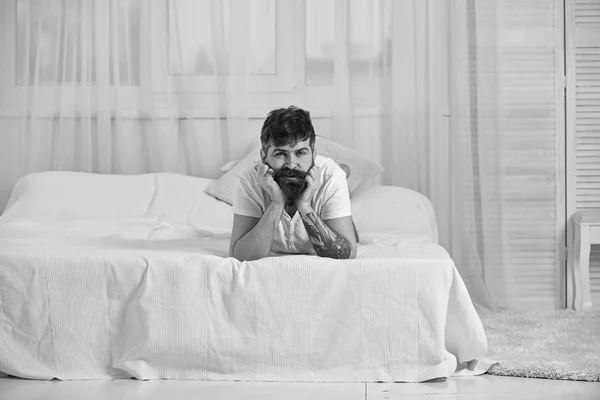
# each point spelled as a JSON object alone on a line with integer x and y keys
{"x": 61, "y": 196}
{"x": 358, "y": 168}
{"x": 180, "y": 200}
{"x": 392, "y": 211}
{"x": 56, "y": 196}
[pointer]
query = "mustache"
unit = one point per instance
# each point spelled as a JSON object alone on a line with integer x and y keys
{"x": 292, "y": 188}
{"x": 285, "y": 172}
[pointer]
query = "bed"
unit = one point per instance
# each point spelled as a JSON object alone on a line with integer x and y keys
{"x": 116, "y": 276}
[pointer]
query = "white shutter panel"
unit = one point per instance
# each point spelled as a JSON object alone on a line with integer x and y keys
{"x": 583, "y": 115}
{"x": 530, "y": 72}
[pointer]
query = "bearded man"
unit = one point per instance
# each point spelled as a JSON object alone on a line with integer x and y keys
{"x": 294, "y": 201}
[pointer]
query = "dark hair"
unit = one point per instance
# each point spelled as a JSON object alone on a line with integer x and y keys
{"x": 287, "y": 126}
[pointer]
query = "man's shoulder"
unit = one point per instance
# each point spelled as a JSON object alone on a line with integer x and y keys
{"x": 248, "y": 172}
{"x": 327, "y": 165}
{"x": 330, "y": 170}
{"x": 248, "y": 197}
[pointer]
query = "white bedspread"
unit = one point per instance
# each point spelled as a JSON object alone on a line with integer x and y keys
{"x": 148, "y": 300}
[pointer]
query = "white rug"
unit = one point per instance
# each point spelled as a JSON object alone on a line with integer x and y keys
{"x": 559, "y": 345}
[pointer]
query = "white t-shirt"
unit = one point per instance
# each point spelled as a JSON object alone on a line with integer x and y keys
{"x": 331, "y": 200}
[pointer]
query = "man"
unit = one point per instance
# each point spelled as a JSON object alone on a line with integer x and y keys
{"x": 293, "y": 202}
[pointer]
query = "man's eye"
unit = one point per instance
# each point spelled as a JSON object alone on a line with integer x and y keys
{"x": 301, "y": 153}
{"x": 278, "y": 154}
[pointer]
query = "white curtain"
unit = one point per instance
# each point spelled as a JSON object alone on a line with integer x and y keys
{"x": 133, "y": 86}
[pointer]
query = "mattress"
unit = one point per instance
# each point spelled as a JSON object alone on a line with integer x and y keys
{"x": 146, "y": 299}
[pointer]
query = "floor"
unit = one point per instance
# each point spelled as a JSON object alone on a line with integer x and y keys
{"x": 467, "y": 388}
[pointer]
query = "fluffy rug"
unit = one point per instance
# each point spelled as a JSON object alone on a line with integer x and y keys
{"x": 559, "y": 345}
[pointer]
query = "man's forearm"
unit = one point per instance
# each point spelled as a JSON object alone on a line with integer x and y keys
{"x": 257, "y": 242}
{"x": 325, "y": 241}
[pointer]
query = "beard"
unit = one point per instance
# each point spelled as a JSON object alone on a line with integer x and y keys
{"x": 292, "y": 183}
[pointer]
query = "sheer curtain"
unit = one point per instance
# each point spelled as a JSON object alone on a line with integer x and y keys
{"x": 133, "y": 86}
{"x": 436, "y": 86}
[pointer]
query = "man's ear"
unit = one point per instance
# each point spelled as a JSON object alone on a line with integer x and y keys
{"x": 263, "y": 155}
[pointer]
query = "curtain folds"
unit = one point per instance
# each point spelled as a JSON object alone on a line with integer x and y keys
{"x": 133, "y": 86}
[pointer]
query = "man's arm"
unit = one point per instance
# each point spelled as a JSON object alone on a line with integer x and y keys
{"x": 333, "y": 238}
{"x": 252, "y": 238}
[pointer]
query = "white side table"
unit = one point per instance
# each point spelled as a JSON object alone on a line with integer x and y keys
{"x": 586, "y": 231}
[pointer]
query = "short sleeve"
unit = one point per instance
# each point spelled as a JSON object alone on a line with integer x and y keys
{"x": 245, "y": 200}
{"x": 338, "y": 203}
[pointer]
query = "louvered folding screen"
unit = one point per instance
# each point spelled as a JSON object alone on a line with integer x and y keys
{"x": 583, "y": 115}
{"x": 530, "y": 34}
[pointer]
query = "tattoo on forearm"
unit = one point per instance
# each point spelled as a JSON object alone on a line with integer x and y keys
{"x": 326, "y": 241}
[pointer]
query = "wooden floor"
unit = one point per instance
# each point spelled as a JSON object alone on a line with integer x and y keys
{"x": 471, "y": 388}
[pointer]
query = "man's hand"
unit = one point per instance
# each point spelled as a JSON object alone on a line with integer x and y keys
{"x": 266, "y": 181}
{"x": 313, "y": 181}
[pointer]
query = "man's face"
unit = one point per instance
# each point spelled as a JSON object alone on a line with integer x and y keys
{"x": 291, "y": 165}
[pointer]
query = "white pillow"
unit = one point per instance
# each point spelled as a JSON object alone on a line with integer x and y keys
{"x": 60, "y": 196}
{"x": 360, "y": 168}
{"x": 393, "y": 210}
{"x": 181, "y": 200}
{"x": 56, "y": 196}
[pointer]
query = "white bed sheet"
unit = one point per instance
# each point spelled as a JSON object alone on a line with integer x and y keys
{"x": 99, "y": 303}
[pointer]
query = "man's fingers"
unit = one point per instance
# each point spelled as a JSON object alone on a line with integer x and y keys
{"x": 315, "y": 171}
{"x": 263, "y": 170}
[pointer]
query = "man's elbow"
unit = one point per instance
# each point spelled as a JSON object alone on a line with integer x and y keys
{"x": 238, "y": 252}
{"x": 339, "y": 252}
{"x": 353, "y": 247}
{"x": 239, "y": 255}
{"x": 244, "y": 256}
{"x": 352, "y": 254}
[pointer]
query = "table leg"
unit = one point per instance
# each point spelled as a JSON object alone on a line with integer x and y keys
{"x": 581, "y": 268}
